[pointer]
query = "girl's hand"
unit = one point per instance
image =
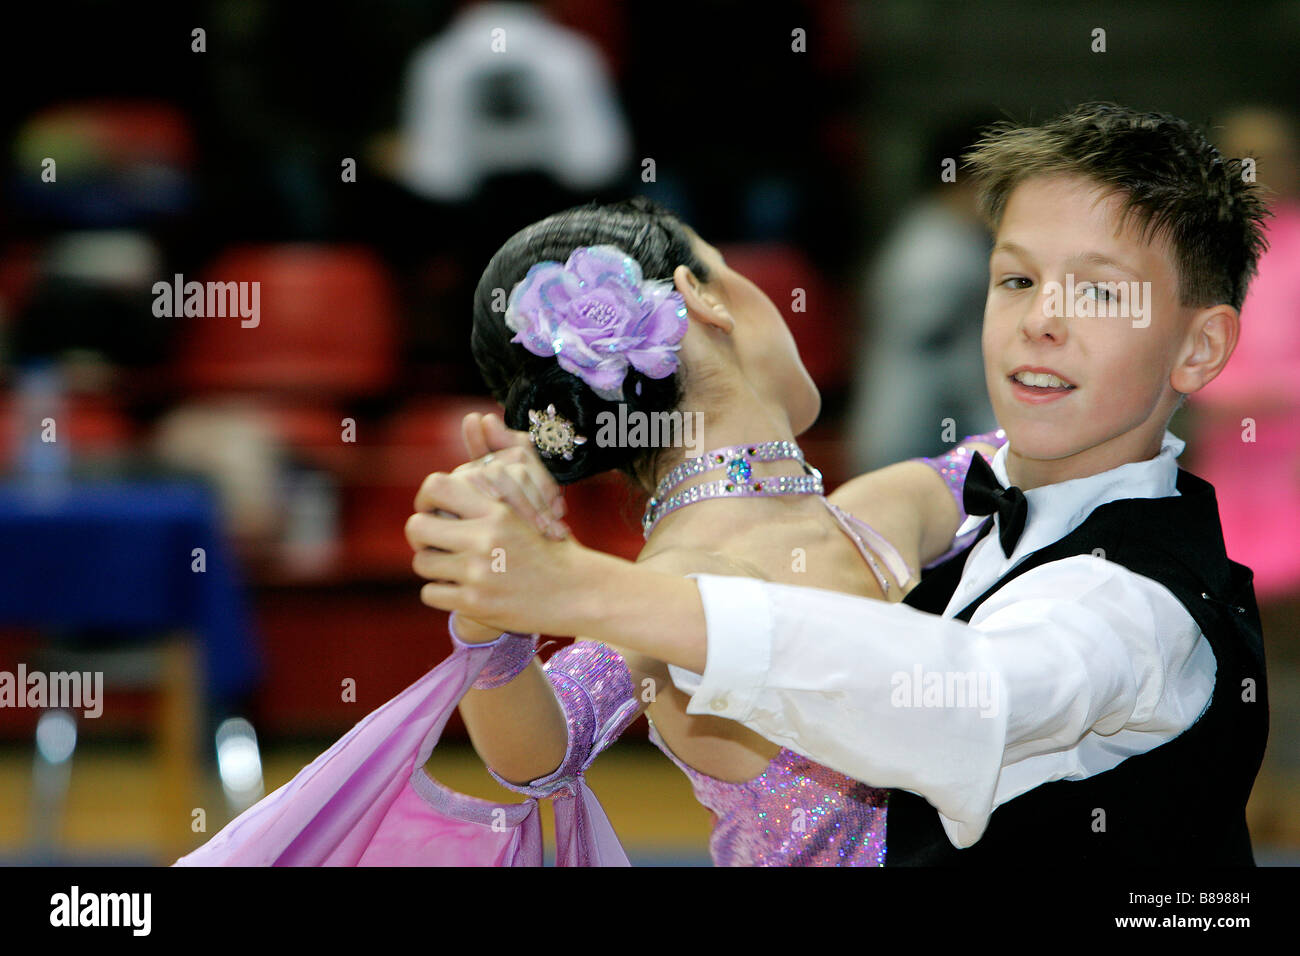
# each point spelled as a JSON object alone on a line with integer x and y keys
{"x": 488, "y": 433}
{"x": 472, "y": 632}
{"x": 507, "y": 467}
{"x": 484, "y": 561}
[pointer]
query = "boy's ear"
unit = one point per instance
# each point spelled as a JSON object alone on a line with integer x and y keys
{"x": 701, "y": 302}
{"x": 1212, "y": 338}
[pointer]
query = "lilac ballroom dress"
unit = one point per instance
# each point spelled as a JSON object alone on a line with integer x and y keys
{"x": 367, "y": 801}
{"x": 799, "y": 812}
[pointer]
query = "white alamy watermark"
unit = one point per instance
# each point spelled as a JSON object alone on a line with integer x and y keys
{"x": 69, "y": 690}
{"x": 948, "y": 689}
{"x": 76, "y": 908}
{"x": 639, "y": 429}
{"x": 209, "y": 299}
{"x": 1112, "y": 300}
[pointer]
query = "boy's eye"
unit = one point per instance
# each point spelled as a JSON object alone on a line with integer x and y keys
{"x": 1027, "y": 282}
{"x": 1099, "y": 293}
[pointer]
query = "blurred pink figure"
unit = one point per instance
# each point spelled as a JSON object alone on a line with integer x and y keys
{"x": 1258, "y": 483}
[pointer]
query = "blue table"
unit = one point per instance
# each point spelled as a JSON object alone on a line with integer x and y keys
{"x": 119, "y": 555}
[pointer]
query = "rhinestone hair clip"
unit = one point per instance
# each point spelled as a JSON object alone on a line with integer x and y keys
{"x": 553, "y": 434}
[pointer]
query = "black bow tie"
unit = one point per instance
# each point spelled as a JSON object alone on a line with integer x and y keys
{"x": 983, "y": 495}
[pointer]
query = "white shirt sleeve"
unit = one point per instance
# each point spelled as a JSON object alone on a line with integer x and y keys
{"x": 1064, "y": 672}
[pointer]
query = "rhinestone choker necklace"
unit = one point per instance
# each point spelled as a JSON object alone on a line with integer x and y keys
{"x": 739, "y": 482}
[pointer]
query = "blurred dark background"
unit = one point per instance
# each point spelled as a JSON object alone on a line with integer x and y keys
{"x": 363, "y": 161}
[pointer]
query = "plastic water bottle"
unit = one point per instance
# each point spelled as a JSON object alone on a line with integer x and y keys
{"x": 43, "y": 455}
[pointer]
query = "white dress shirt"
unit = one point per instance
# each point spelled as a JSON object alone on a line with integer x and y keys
{"x": 1061, "y": 674}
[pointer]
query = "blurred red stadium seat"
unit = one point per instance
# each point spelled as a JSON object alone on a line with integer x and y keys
{"x": 123, "y": 162}
{"x": 19, "y": 270}
{"x": 118, "y": 132}
{"x": 420, "y": 438}
{"x": 314, "y": 431}
{"x": 424, "y": 437}
{"x": 819, "y": 330}
{"x": 604, "y": 512}
{"x": 326, "y": 325}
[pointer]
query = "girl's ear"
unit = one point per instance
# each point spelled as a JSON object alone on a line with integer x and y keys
{"x": 701, "y": 302}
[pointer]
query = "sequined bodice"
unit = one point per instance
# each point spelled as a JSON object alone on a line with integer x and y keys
{"x": 799, "y": 812}
{"x": 795, "y": 813}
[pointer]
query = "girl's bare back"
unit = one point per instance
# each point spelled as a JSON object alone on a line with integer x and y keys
{"x": 816, "y": 553}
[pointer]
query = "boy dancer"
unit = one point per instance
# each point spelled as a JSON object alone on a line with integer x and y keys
{"x": 1126, "y": 712}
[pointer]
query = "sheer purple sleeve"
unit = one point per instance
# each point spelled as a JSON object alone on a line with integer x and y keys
{"x": 952, "y": 467}
{"x": 595, "y": 690}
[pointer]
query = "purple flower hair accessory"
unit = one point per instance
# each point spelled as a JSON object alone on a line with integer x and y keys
{"x": 597, "y": 316}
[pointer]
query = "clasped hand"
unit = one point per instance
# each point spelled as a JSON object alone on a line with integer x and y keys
{"x": 488, "y": 536}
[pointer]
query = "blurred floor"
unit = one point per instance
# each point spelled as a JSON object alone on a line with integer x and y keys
{"x": 113, "y": 808}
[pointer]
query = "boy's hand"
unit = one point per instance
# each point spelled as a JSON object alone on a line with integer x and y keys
{"x": 486, "y": 563}
{"x": 506, "y": 466}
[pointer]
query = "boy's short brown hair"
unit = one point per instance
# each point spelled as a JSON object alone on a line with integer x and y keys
{"x": 1174, "y": 182}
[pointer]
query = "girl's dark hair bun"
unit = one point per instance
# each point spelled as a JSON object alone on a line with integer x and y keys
{"x": 521, "y": 381}
{"x": 546, "y": 383}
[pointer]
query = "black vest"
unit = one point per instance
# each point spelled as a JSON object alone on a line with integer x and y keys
{"x": 1184, "y": 801}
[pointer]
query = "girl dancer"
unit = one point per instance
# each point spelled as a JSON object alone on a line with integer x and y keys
{"x": 608, "y": 306}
